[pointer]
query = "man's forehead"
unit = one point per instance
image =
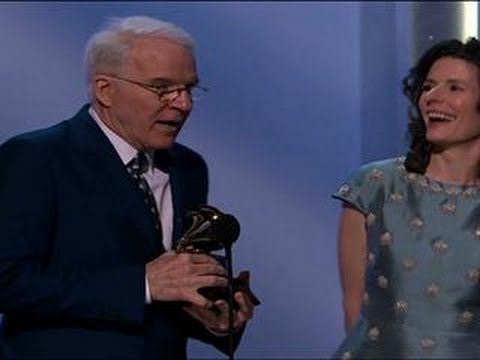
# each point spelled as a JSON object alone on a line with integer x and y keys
{"x": 152, "y": 42}
{"x": 160, "y": 51}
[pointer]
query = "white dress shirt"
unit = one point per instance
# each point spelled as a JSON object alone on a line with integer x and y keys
{"x": 158, "y": 181}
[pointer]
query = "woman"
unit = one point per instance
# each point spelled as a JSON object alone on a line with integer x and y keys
{"x": 409, "y": 238}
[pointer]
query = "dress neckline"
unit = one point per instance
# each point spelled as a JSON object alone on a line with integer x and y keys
{"x": 428, "y": 183}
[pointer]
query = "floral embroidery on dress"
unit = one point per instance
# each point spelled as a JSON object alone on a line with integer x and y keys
{"x": 396, "y": 197}
{"x": 345, "y": 190}
{"x": 409, "y": 262}
{"x": 386, "y": 238}
{"x": 427, "y": 343}
{"x": 371, "y": 217}
{"x": 432, "y": 290}
{"x": 382, "y": 282}
{"x": 439, "y": 246}
{"x": 449, "y": 207}
{"x": 401, "y": 307}
{"x": 374, "y": 333}
{"x": 476, "y": 232}
{"x": 473, "y": 274}
{"x": 416, "y": 223}
{"x": 376, "y": 174}
{"x": 465, "y": 317}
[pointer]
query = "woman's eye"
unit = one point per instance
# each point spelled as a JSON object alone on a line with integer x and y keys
{"x": 427, "y": 88}
{"x": 455, "y": 88}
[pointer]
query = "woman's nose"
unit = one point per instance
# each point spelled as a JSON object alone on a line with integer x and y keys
{"x": 436, "y": 93}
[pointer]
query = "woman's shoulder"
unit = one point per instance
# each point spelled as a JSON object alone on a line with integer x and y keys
{"x": 365, "y": 186}
{"x": 386, "y": 165}
{"x": 380, "y": 169}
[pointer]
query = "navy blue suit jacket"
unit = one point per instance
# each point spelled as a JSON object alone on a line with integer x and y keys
{"x": 75, "y": 236}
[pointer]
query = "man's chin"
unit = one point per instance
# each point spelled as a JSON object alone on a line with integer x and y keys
{"x": 163, "y": 144}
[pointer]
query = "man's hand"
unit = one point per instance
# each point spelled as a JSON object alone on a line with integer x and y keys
{"x": 215, "y": 319}
{"x": 177, "y": 277}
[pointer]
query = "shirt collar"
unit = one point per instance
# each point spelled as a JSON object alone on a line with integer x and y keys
{"x": 126, "y": 151}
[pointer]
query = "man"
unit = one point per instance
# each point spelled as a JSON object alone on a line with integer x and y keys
{"x": 86, "y": 268}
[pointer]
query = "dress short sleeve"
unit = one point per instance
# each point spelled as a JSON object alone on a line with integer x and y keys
{"x": 365, "y": 188}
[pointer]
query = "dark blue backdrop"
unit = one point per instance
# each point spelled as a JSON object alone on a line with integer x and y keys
{"x": 301, "y": 95}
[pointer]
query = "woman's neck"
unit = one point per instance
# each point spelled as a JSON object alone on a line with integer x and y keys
{"x": 455, "y": 166}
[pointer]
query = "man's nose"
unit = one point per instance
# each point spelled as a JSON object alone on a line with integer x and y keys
{"x": 182, "y": 100}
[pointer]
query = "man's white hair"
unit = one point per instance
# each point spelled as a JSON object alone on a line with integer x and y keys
{"x": 107, "y": 49}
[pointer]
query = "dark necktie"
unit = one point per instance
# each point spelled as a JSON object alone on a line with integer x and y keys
{"x": 136, "y": 167}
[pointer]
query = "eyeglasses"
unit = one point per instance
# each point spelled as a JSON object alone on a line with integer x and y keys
{"x": 169, "y": 93}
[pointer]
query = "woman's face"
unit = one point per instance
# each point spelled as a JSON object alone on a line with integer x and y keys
{"x": 449, "y": 103}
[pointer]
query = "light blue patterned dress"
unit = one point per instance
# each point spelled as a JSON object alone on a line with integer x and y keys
{"x": 422, "y": 293}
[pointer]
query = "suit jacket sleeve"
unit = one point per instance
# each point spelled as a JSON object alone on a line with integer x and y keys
{"x": 29, "y": 282}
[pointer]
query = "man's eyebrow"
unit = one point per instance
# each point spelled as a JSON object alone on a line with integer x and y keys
{"x": 168, "y": 82}
{"x": 161, "y": 81}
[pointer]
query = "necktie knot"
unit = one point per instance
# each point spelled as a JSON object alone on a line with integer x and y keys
{"x": 138, "y": 165}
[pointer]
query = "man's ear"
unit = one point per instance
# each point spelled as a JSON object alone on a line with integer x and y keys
{"x": 103, "y": 90}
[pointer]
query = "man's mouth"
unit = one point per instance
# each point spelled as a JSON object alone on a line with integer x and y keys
{"x": 170, "y": 123}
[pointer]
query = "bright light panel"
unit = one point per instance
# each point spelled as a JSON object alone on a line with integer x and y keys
{"x": 470, "y": 19}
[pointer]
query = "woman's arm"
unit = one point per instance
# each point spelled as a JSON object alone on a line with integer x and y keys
{"x": 352, "y": 257}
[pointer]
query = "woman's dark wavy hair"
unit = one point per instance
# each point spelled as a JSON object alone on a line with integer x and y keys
{"x": 418, "y": 155}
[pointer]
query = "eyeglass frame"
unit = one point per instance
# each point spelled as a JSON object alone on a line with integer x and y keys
{"x": 164, "y": 90}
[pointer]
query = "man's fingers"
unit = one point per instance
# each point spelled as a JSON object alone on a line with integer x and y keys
{"x": 193, "y": 297}
{"x": 197, "y": 258}
{"x": 206, "y": 269}
{"x": 209, "y": 281}
{"x": 245, "y": 304}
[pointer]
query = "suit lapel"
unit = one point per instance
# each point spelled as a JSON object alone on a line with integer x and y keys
{"x": 111, "y": 178}
{"x": 187, "y": 191}
{"x": 177, "y": 184}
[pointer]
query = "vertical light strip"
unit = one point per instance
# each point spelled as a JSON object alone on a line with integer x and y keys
{"x": 469, "y": 19}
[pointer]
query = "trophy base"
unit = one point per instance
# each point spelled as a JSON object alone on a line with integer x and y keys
{"x": 240, "y": 283}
